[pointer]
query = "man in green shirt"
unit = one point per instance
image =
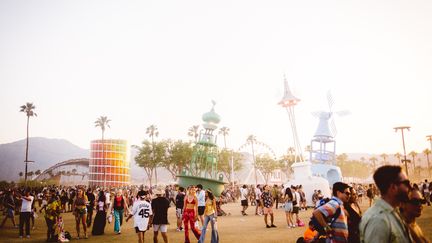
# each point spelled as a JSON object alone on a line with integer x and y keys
{"x": 382, "y": 222}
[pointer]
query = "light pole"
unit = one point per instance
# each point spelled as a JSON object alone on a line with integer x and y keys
{"x": 403, "y": 143}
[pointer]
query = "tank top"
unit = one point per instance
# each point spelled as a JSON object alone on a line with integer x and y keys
{"x": 209, "y": 208}
{"x": 118, "y": 203}
{"x": 190, "y": 204}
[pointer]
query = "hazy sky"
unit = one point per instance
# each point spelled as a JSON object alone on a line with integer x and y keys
{"x": 162, "y": 62}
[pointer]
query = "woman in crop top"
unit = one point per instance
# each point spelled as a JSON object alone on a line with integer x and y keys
{"x": 190, "y": 214}
{"x": 119, "y": 204}
{"x": 79, "y": 209}
{"x": 209, "y": 216}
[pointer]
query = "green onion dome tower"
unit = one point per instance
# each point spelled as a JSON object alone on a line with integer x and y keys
{"x": 203, "y": 165}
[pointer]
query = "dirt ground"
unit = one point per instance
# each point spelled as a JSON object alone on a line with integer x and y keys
{"x": 233, "y": 228}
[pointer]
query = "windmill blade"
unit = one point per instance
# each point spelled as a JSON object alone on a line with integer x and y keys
{"x": 343, "y": 113}
{"x": 317, "y": 114}
{"x": 333, "y": 127}
{"x": 330, "y": 100}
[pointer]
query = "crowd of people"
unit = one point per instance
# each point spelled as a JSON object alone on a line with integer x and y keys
{"x": 394, "y": 204}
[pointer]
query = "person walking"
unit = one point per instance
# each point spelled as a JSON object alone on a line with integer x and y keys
{"x": 160, "y": 207}
{"x": 354, "y": 214}
{"x": 101, "y": 215}
{"x": 288, "y": 207}
{"x": 382, "y": 222}
{"x": 9, "y": 204}
{"x": 201, "y": 202}
{"x": 179, "y": 202}
{"x": 411, "y": 210}
{"x": 209, "y": 216}
{"x": 333, "y": 211}
{"x": 25, "y": 213}
{"x": 243, "y": 199}
{"x": 143, "y": 214}
{"x": 91, "y": 204}
{"x": 190, "y": 214}
{"x": 258, "y": 206}
{"x": 119, "y": 204}
{"x": 79, "y": 209}
{"x": 52, "y": 212}
{"x": 267, "y": 202}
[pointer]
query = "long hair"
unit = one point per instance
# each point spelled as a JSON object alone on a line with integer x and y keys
{"x": 101, "y": 197}
{"x": 210, "y": 194}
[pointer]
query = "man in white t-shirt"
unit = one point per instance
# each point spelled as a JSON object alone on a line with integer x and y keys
{"x": 201, "y": 202}
{"x": 243, "y": 199}
{"x": 143, "y": 215}
{"x": 25, "y": 213}
{"x": 258, "y": 192}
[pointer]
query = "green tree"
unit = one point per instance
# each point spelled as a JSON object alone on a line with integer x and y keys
{"x": 224, "y": 131}
{"x": 427, "y": 152}
{"x": 103, "y": 123}
{"x": 251, "y": 139}
{"x": 38, "y": 172}
{"x": 152, "y": 132}
{"x": 413, "y": 155}
{"x": 20, "y": 174}
{"x": 149, "y": 156}
{"x": 194, "y": 132}
{"x": 286, "y": 161}
{"x": 266, "y": 164}
{"x": 177, "y": 157}
{"x": 398, "y": 156}
{"x": 224, "y": 162}
{"x": 28, "y": 109}
{"x": 74, "y": 171}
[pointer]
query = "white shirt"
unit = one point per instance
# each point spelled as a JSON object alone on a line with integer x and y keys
{"x": 26, "y": 205}
{"x": 107, "y": 198}
{"x": 258, "y": 193}
{"x": 296, "y": 196}
{"x": 243, "y": 193}
{"x": 201, "y": 198}
{"x": 141, "y": 210}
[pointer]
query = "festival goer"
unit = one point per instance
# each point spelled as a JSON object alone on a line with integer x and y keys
{"x": 201, "y": 202}
{"x": 411, "y": 210}
{"x": 179, "y": 202}
{"x": 275, "y": 194}
{"x": 370, "y": 194}
{"x": 354, "y": 214}
{"x": 9, "y": 204}
{"x": 258, "y": 208}
{"x": 101, "y": 214}
{"x": 142, "y": 213}
{"x": 79, "y": 208}
{"x": 310, "y": 235}
{"x": 296, "y": 205}
{"x": 382, "y": 222}
{"x": 243, "y": 199}
{"x": 190, "y": 214}
{"x": 267, "y": 202}
{"x": 333, "y": 211}
{"x": 209, "y": 216}
{"x": 119, "y": 204}
{"x": 52, "y": 212}
{"x": 288, "y": 207}
{"x": 25, "y": 213}
{"x": 160, "y": 207}
{"x": 91, "y": 203}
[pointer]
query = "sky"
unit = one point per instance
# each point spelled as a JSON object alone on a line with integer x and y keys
{"x": 162, "y": 62}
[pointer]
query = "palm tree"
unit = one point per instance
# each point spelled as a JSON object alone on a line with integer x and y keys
{"x": 373, "y": 160}
{"x": 152, "y": 131}
{"x": 20, "y": 174}
{"x": 251, "y": 140}
{"x": 384, "y": 156}
{"x": 224, "y": 131}
{"x": 193, "y": 132}
{"x": 398, "y": 156}
{"x": 413, "y": 154}
{"x": 427, "y": 152}
{"x": 28, "y": 108}
{"x": 103, "y": 123}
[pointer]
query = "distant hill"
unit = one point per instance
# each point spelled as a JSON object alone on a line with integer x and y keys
{"x": 44, "y": 151}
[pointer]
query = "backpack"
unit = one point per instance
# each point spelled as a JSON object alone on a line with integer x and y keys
{"x": 317, "y": 225}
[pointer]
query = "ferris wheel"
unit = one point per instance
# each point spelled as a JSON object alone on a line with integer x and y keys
{"x": 256, "y": 148}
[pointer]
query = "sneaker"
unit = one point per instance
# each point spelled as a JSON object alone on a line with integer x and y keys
{"x": 273, "y": 226}
{"x": 268, "y": 226}
{"x": 20, "y": 237}
{"x": 28, "y": 236}
{"x": 177, "y": 229}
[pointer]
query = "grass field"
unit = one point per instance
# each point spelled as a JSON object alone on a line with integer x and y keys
{"x": 233, "y": 228}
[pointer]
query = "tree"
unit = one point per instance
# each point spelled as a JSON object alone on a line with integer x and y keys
{"x": 427, "y": 152}
{"x": 224, "y": 131}
{"x": 30, "y": 174}
{"x": 147, "y": 156}
{"x": 194, "y": 132}
{"x": 28, "y": 109}
{"x": 398, "y": 156}
{"x": 251, "y": 139}
{"x": 20, "y": 174}
{"x": 384, "y": 156}
{"x": 38, "y": 172}
{"x": 373, "y": 160}
{"x": 286, "y": 161}
{"x": 103, "y": 123}
{"x": 152, "y": 131}
{"x": 413, "y": 154}
{"x": 177, "y": 157}
{"x": 224, "y": 163}
{"x": 74, "y": 171}
{"x": 266, "y": 165}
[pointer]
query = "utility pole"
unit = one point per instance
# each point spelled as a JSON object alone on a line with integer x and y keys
{"x": 405, "y": 160}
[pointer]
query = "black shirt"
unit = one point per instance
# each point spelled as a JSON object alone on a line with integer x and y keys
{"x": 179, "y": 201}
{"x": 160, "y": 207}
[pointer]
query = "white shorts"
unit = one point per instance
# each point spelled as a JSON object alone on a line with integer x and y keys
{"x": 160, "y": 227}
{"x": 179, "y": 213}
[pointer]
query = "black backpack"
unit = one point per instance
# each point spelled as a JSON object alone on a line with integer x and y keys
{"x": 318, "y": 226}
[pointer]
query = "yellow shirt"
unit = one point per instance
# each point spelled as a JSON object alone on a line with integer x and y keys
{"x": 209, "y": 208}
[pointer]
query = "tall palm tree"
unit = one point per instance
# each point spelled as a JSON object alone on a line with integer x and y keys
{"x": 224, "y": 131}
{"x": 20, "y": 174}
{"x": 373, "y": 160}
{"x": 252, "y": 140}
{"x": 193, "y": 132}
{"x": 398, "y": 156}
{"x": 413, "y": 154}
{"x": 28, "y": 109}
{"x": 103, "y": 123}
{"x": 427, "y": 152}
{"x": 152, "y": 131}
{"x": 384, "y": 156}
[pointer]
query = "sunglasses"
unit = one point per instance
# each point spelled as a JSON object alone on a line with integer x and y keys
{"x": 407, "y": 183}
{"x": 417, "y": 201}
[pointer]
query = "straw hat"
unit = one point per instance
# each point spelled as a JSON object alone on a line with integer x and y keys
{"x": 159, "y": 190}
